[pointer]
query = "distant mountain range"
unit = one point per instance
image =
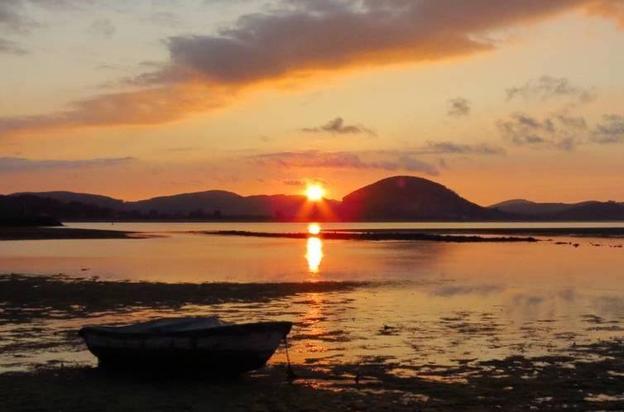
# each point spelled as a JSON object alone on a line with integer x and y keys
{"x": 399, "y": 198}
{"x": 590, "y": 210}
{"x": 209, "y": 205}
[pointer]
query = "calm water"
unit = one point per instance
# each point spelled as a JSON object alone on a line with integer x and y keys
{"x": 179, "y": 256}
{"x": 431, "y": 302}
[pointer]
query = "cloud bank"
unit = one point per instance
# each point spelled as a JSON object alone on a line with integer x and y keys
{"x": 293, "y": 41}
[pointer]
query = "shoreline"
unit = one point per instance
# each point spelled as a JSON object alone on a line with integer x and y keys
{"x": 59, "y": 233}
{"x": 374, "y": 236}
{"x": 450, "y": 235}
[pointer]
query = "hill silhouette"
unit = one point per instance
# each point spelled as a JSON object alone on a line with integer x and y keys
{"x": 411, "y": 198}
{"x": 400, "y": 198}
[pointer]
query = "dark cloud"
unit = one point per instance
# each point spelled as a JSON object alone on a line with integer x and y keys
{"x": 304, "y": 36}
{"x": 461, "y": 148}
{"x": 338, "y": 126}
{"x": 548, "y": 87}
{"x": 609, "y": 130}
{"x": 381, "y": 160}
{"x": 9, "y": 47}
{"x": 19, "y": 164}
{"x": 558, "y": 131}
{"x": 458, "y": 107}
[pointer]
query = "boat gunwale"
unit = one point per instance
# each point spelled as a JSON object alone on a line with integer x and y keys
{"x": 238, "y": 329}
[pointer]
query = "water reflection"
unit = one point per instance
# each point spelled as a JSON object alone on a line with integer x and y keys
{"x": 314, "y": 248}
{"x": 314, "y": 229}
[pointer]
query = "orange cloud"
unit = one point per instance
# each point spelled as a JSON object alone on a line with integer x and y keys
{"x": 611, "y": 9}
{"x": 142, "y": 107}
{"x": 389, "y": 160}
{"x": 301, "y": 39}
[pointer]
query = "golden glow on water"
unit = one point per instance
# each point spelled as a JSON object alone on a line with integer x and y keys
{"x": 314, "y": 253}
{"x": 314, "y": 229}
{"x": 450, "y": 301}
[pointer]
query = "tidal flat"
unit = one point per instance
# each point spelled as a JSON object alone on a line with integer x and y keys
{"x": 349, "y": 349}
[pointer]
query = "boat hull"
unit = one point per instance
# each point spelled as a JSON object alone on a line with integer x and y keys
{"x": 231, "y": 349}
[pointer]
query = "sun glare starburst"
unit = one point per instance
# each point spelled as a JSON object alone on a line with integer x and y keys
{"x": 315, "y": 192}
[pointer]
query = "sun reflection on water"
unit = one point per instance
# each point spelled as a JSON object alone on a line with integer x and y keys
{"x": 314, "y": 229}
{"x": 314, "y": 248}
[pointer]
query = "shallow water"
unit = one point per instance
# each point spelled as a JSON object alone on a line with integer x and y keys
{"x": 429, "y": 303}
{"x": 181, "y": 256}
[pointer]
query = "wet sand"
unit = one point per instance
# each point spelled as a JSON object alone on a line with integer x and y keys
{"x": 25, "y": 298}
{"x": 512, "y": 384}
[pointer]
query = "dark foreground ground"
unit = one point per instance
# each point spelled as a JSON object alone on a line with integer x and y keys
{"x": 513, "y": 384}
{"x": 583, "y": 377}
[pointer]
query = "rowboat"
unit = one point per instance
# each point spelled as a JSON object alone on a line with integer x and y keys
{"x": 190, "y": 343}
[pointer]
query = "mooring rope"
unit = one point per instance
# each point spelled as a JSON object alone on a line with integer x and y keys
{"x": 290, "y": 373}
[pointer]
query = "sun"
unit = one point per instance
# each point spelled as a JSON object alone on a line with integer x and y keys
{"x": 315, "y": 192}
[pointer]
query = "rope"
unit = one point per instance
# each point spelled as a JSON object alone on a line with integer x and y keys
{"x": 290, "y": 374}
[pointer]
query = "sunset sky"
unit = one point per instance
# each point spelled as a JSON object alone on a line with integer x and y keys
{"x": 133, "y": 99}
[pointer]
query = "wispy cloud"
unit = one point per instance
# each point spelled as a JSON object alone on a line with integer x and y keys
{"x": 458, "y": 107}
{"x": 11, "y": 18}
{"x": 338, "y": 126}
{"x": 558, "y": 131}
{"x": 298, "y": 183}
{"x": 549, "y": 87}
{"x": 19, "y": 164}
{"x": 10, "y": 47}
{"x": 561, "y": 130}
{"x": 610, "y": 130}
{"x": 14, "y": 13}
{"x": 447, "y": 147}
{"x": 380, "y": 160}
{"x": 148, "y": 106}
{"x": 102, "y": 28}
